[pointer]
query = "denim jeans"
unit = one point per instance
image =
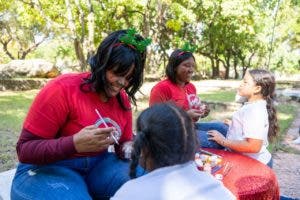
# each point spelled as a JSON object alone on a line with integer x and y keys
{"x": 203, "y": 127}
{"x": 270, "y": 163}
{"x": 85, "y": 178}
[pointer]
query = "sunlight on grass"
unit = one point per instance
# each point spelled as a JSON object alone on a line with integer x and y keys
{"x": 13, "y": 109}
{"x": 285, "y": 113}
{"x": 284, "y": 116}
{"x": 218, "y": 96}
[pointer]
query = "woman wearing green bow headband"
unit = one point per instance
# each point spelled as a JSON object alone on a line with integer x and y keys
{"x": 63, "y": 146}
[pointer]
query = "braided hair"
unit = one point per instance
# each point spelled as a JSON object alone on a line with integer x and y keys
{"x": 113, "y": 55}
{"x": 266, "y": 81}
{"x": 165, "y": 136}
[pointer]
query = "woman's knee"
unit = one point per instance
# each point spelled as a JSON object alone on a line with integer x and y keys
{"x": 48, "y": 182}
{"x": 108, "y": 176}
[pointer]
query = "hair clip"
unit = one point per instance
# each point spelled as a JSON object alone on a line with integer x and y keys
{"x": 180, "y": 53}
{"x": 130, "y": 40}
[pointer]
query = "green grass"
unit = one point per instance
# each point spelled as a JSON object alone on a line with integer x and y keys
{"x": 218, "y": 96}
{"x": 286, "y": 112}
{"x": 13, "y": 109}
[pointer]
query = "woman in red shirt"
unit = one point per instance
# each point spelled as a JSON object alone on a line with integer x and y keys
{"x": 178, "y": 89}
{"x": 63, "y": 146}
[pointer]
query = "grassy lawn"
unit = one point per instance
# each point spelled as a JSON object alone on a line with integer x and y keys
{"x": 13, "y": 109}
{"x": 14, "y": 106}
{"x": 218, "y": 96}
{"x": 286, "y": 113}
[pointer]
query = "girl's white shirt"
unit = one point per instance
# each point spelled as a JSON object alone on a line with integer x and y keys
{"x": 178, "y": 182}
{"x": 251, "y": 121}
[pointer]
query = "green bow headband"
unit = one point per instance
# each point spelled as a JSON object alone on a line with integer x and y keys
{"x": 130, "y": 40}
{"x": 187, "y": 47}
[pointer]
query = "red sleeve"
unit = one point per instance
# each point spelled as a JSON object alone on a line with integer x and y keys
{"x": 36, "y": 150}
{"x": 48, "y": 111}
{"x": 159, "y": 94}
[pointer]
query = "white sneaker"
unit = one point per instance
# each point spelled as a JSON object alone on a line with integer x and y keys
{"x": 297, "y": 141}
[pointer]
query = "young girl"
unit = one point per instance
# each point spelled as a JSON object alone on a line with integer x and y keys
{"x": 255, "y": 123}
{"x": 165, "y": 146}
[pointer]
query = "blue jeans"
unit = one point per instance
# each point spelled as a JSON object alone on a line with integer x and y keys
{"x": 86, "y": 178}
{"x": 203, "y": 127}
{"x": 270, "y": 163}
{"x": 288, "y": 198}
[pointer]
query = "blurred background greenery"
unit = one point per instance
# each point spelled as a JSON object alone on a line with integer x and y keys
{"x": 230, "y": 35}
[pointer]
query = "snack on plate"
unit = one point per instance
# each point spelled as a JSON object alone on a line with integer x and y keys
{"x": 207, "y": 161}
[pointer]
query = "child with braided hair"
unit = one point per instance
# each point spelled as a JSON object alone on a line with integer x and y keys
{"x": 255, "y": 124}
{"x": 165, "y": 145}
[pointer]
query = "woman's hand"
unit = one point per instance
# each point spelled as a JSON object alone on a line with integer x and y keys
{"x": 216, "y": 136}
{"x": 204, "y": 108}
{"x": 93, "y": 139}
{"x": 194, "y": 114}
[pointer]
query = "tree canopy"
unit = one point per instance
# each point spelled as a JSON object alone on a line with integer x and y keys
{"x": 231, "y": 35}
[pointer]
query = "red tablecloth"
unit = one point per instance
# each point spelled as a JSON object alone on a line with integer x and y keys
{"x": 248, "y": 178}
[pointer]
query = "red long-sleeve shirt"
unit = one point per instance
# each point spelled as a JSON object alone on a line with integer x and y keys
{"x": 61, "y": 110}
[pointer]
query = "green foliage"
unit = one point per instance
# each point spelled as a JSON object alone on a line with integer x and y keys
{"x": 173, "y": 24}
{"x": 54, "y": 50}
{"x": 231, "y": 35}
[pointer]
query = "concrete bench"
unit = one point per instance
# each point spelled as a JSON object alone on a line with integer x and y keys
{"x": 5, "y": 183}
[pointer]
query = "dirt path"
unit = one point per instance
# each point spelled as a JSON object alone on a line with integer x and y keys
{"x": 287, "y": 165}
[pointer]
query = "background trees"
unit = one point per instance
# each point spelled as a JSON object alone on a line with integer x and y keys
{"x": 230, "y": 35}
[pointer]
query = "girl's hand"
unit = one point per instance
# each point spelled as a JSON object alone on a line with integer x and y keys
{"x": 216, "y": 136}
{"x": 227, "y": 121}
{"x": 93, "y": 139}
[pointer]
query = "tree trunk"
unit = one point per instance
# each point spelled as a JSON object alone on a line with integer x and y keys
{"x": 235, "y": 63}
{"x": 80, "y": 55}
{"x": 155, "y": 57}
{"x": 77, "y": 42}
{"x": 91, "y": 31}
{"x": 215, "y": 70}
{"x": 5, "y": 48}
{"x": 227, "y": 65}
